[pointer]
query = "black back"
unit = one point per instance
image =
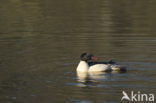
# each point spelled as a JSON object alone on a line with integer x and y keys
{"x": 90, "y": 63}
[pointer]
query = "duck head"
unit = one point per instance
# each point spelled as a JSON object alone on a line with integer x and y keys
{"x": 87, "y": 57}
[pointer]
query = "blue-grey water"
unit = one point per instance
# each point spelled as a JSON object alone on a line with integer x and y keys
{"x": 41, "y": 40}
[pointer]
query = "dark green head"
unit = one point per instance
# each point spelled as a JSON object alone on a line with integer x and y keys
{"x": 87, "y": 56}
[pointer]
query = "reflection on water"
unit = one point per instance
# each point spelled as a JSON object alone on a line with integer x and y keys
{"x": 85, "y": 77}
{"x": 41, "y": 41}
{"x": 89, "y": 79}
{"x": 82, "y": 77}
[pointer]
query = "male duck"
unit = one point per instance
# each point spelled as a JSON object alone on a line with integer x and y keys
{"x": 88, "y": 64}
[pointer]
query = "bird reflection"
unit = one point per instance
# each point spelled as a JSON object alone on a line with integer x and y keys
{"x": 83, "y": 79}
{"x": 91, "y": 79}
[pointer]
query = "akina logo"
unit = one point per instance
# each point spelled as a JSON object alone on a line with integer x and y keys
{"x": 137, "y": 97}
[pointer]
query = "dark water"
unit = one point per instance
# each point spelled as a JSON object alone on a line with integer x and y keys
{"x": 41, "y": 40}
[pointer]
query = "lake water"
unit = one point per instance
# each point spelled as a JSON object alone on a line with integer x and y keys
{"x": 41, "y": 41}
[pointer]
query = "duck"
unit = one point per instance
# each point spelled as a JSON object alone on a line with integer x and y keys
{"x": 88, "y": 63}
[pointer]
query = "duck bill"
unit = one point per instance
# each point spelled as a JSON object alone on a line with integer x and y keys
{"x": 93, "y": 58}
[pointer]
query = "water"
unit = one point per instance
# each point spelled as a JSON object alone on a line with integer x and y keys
{"x": 41, "y": 40}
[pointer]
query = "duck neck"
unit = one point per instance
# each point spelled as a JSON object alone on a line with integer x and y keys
{"x": 83, "y": 66}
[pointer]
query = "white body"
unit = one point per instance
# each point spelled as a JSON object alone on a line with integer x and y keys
{"x": 84, "y": 67}
{"x": 115, "y": 67}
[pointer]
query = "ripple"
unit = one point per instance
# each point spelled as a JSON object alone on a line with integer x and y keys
{"x": 80, "y": 101}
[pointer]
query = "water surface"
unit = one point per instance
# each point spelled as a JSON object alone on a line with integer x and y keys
{"x": 40, "y": 44}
